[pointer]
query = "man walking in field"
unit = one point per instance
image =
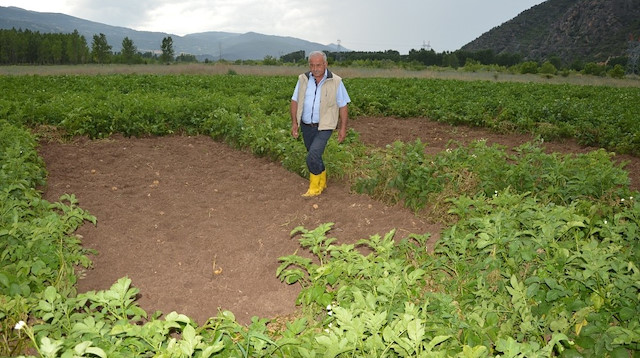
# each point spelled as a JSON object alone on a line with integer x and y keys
{"x": 318, "y": 106}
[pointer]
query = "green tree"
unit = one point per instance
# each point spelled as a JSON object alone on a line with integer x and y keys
{"x": 269, "y": 60}
{"x": 167, "y": 49}
{"x": 426, "y": 57}
{"x": 128, "y": 51}
{"x": 50, "y": 49}
{"x": 57, "y": 50}
{"x": 76, "y": 48}
{"x": 100, "y": 49}
{"x": 529, "y": 67}
{"x": 556, "y": 61}
{"x": 32, "y": 40}
{"x": 450, "y": 59}
{"x": 185, "y": 57}
{"x": 594, "y": 69}
{"x": 617, "y": 71}
{"x": 577, "y": 65}
{"x": 297, "y": 56}
{"x": 548, "y": 68}
{"x": 507, "y": 59}
{"x": 9, "y": 46}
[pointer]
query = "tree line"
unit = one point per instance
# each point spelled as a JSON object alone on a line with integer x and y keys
{"x": 19, "y": 47}
{"x": 465, "y": 60}
{"x": 461, "y": 58}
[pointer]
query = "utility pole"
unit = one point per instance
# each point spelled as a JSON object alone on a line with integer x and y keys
{"x": 634, "y": 56}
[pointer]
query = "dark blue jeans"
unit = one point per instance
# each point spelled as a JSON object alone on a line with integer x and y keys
{"x": 315, "y": 141}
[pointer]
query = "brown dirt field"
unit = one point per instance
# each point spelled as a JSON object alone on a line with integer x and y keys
{"x": 199, "y": 227}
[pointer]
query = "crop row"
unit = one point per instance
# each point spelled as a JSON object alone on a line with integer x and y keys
{"x": 97, "y": 106}
{"x": 596, "y": 116}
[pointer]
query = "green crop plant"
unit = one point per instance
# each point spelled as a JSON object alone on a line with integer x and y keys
{"x": 37, "y": 246}
{"x": 417, "y": 179}
{"x": 540, "y": 257}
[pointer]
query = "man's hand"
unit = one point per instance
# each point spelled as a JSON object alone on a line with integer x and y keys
{"x": 342, "y": 134}
{"x": 344, "y": 116}
{"x": 293, "y": 109}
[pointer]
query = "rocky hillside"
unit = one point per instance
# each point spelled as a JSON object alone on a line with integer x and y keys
{"x": 587, "y": 30}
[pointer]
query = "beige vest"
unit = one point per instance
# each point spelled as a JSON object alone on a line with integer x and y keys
{"x": 329, "y": 110}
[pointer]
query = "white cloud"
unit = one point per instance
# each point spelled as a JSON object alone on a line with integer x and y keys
{"x": 125, "y": 13}
{"x": 39, "y": 5}
{"x": 367, "y": 25}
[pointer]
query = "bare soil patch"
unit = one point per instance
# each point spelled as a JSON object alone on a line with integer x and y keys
{"x": 199, "y": 226}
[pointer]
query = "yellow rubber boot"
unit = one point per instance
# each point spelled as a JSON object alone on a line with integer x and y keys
{"x": 323, "y": 181}
{"x": 314, "y": 186}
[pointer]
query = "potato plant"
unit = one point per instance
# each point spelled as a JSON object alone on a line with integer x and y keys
{"x": 540, "y": 257}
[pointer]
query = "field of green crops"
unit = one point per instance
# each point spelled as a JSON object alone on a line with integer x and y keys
{"x": 541, "y": 256}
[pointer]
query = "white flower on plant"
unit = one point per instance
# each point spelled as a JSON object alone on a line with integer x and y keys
{"x": 622, "y": 200}
{"x": 20, "y": 325}
{"x": 329, "y": 310}
{"x": 606, "y": 222}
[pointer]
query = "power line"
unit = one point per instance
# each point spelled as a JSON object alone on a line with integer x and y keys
{"x": 634, "y": 57}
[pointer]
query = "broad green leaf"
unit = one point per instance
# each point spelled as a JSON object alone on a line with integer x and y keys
{"x": 342, "y": 315}
{"x": 49, "y": 347}
{"x": 189, "y": 333}
{"x": 297, "y": 326}
{"x": 484, "y": 240}
{"x": 50, "y": 294}
{"x": 4, "y": 280}
{"x": 416, "y": 331}
{"x": 97, "y": 352}
{"x": 177, "y": 317}
{"x": 435, "y": 341}
{"x": 474, "y": 352}
{"x": 85, "y": 347}
{"x": 215, "y": 348}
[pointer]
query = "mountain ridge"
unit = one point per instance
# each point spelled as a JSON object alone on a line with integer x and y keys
{"x": 570, "y": 30}
{"x": 589, "y": 30}
{"x": 212, "y": 45}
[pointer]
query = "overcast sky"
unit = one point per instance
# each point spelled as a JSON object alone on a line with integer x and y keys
{"x": 360, "y": 25}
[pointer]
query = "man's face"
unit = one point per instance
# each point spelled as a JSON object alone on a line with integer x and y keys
{"x": 317, "y": 66}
